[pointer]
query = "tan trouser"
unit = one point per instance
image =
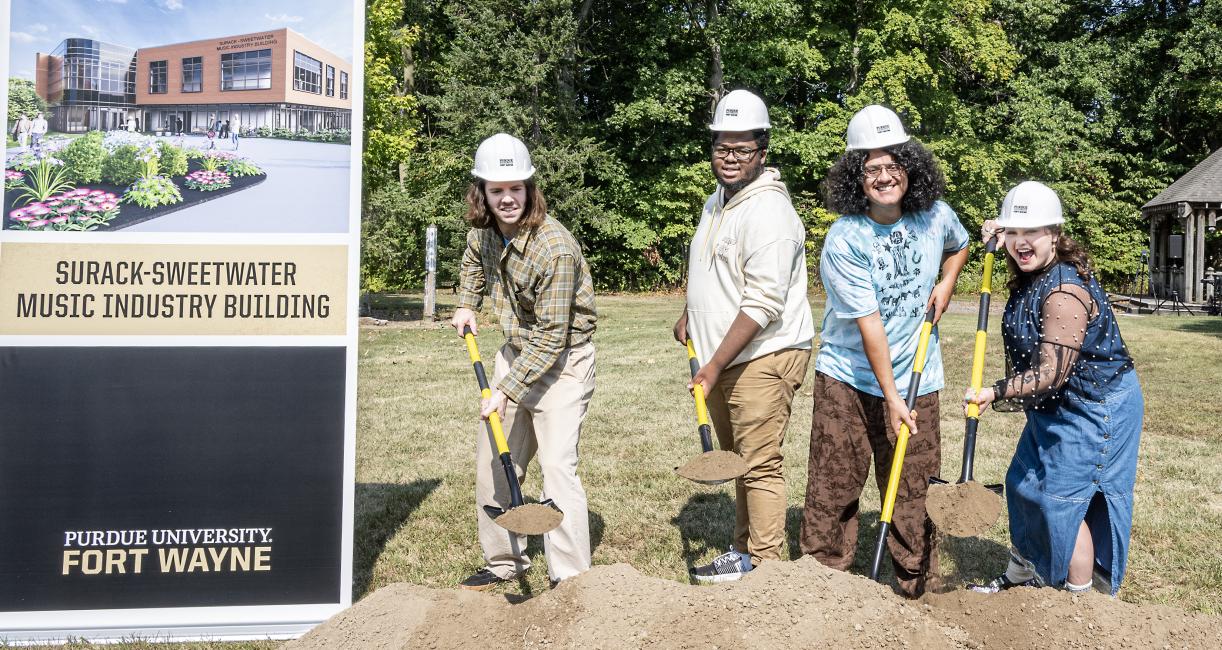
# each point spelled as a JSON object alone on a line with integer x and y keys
{"x": 749, "y": 407}
{"x": 548, "y": 422}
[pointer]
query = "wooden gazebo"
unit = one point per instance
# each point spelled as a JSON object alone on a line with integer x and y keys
{"x": 1179, "y": 218}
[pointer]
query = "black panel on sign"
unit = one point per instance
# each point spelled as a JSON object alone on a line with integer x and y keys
{"x": 174, "y": 442}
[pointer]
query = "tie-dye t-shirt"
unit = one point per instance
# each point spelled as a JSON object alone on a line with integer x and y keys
{"x": 867, "y": 267}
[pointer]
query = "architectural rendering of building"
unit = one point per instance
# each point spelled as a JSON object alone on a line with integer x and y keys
{"x": 275, "y": 79}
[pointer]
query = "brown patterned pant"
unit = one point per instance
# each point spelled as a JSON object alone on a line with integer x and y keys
{"x": 847, "y": 428}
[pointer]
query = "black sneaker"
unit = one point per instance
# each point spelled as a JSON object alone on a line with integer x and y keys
{"x": 724, "y": 568}
{"x": 1000, "y": 583}
{"x": 481, "y": 580}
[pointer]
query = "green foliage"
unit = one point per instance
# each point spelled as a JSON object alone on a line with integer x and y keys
{"x": 343, "y": 136}
{"x": 391, "y": 122}
{"x": 172, "y": 159}
{"x": 242, "y": 167}
{"x": 152, "y": 192}
{"x": 44, "y": 179}
{"x": 23, "y": 99}
{"x": 123, "y": 166}
{"x": 1109, "y": 102}
{"x": 83, "y": 158}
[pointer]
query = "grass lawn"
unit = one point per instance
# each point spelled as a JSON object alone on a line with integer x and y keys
{"x": 417, "y": 428}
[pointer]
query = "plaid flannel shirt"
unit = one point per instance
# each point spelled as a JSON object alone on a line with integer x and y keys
{"x": 541, "y": 291}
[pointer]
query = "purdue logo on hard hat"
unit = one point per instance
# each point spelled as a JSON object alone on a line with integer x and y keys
{"x": 874, "y": 127}
{"x": 502, "y": 157}
{"x": 1030, "y": 205}
{"x": 740, "y": 110}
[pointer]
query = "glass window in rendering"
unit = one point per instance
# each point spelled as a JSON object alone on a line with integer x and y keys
{"x": 307, "y": 73}
{"x": 193, "y": 74}
{"x": 159, "y": 74}
{"x": 246, "y": 70}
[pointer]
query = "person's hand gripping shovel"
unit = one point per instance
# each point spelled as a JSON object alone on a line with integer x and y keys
{"x": 967, "y": 508}
{"x": 521, "y": 517}
{"x": 901, "y": 446}
{"x": 711, "y": 466}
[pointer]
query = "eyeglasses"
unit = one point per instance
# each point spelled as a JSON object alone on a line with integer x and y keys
{"x": 893, "y": 169}
{"x": 741, "y": 154}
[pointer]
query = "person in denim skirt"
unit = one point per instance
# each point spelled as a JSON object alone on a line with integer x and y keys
{"x": 1069, "y": 489}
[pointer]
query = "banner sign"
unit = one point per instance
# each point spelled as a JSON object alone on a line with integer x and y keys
{"x": 179, "y": 273}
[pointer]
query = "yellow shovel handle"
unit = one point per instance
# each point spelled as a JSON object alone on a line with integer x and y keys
{"x": 901, "y": 440}
{"x": 494, "y": 419}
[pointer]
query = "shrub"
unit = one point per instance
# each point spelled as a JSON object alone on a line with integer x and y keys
{"x": 173, "y": 159}
{"x": 83, "y": 158}
{"x": 123, "y": 166}
{"x": 242, "y": 167}
{"x": 152, "y": 192}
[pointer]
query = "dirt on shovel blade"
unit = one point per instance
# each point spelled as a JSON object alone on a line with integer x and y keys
{"x": 530, "y": 519}
{"x": 963, "y": 509}
{"x": 714, "y": 466}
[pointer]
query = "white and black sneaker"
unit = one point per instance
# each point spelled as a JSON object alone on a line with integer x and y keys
{"x": 724, "y": 568}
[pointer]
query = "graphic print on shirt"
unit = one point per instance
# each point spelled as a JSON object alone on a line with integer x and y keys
{"x": 898, "y": 256}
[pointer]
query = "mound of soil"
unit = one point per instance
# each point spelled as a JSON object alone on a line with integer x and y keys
{"x": 780, "y": 604}
{"x": 713, "y": 467}
{"x": 963, "y": 509}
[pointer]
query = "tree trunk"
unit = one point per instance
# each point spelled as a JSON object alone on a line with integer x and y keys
{"x": 716, "y": 73}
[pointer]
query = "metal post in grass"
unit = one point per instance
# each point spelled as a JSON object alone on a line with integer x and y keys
{"x": 430, "y": 276}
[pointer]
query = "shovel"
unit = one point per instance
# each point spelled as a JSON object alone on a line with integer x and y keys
{"x": 966, "y": 508}
{"x": 521, "y": 517}
{"x": 901, "y": 446}
{"x": 711, "y": 467}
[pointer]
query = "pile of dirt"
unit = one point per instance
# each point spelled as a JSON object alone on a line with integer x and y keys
{"x": 963, "y": 509}
{"x": 713, "y": 467}
{"x": 531, "y": 519}
{"x": 780, "y": 604}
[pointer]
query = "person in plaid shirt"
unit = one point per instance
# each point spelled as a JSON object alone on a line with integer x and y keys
{"x": 542, "y": 294}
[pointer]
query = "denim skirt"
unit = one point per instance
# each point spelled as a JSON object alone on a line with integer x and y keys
{"x": 1073, "y": 463}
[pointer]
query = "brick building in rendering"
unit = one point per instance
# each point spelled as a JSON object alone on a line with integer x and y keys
{"x": 275, "y": 78}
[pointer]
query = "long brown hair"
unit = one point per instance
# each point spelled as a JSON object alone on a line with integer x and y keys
{"x": 1067, "y": 250}
{"x": 480, "y": 216}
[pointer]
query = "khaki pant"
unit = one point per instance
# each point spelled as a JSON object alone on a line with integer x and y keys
{"x": 749, "y": 407}
{"x": 848, "y": 427}
{"x": 547, "y": 422}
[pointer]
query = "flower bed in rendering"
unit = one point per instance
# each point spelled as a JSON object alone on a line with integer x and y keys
{"x": 55, "y": 187}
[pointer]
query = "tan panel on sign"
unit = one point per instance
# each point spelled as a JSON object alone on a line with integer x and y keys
{"x": 131, "y": 289}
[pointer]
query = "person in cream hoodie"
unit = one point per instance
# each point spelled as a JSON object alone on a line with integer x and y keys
{"x": 750, "y": 322}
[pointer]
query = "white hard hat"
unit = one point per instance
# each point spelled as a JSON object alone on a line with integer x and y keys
{"x": 740, "y": 110}
{"x": 1030, "y": 205}
{"x": 875, "y": 127}
{"x": 503, "y": 158}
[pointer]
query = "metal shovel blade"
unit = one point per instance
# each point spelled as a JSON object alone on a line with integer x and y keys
{"x": 963, "y": 509}
{"x": 529, "y": 518}
{"x": 713, "y": 467}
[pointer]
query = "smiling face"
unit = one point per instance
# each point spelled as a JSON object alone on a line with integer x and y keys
{"x": 884, "y": 182}
{"x": 507, "y": 202}
{"x": 1032, "y": 249}
{"x": 731, "y": 172}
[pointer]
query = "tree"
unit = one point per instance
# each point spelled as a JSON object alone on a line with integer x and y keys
{"x": 23, "y": 99}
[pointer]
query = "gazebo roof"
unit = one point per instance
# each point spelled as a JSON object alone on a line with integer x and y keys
{"x": 1202, "y": 184}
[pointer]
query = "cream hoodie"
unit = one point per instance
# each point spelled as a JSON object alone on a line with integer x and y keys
{"x": 749, "y": 255}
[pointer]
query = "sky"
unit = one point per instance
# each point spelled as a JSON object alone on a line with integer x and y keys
{"x": 39, "y": 25}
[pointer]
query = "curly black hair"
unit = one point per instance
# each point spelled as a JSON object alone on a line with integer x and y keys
{"x": 843, "y": 192}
